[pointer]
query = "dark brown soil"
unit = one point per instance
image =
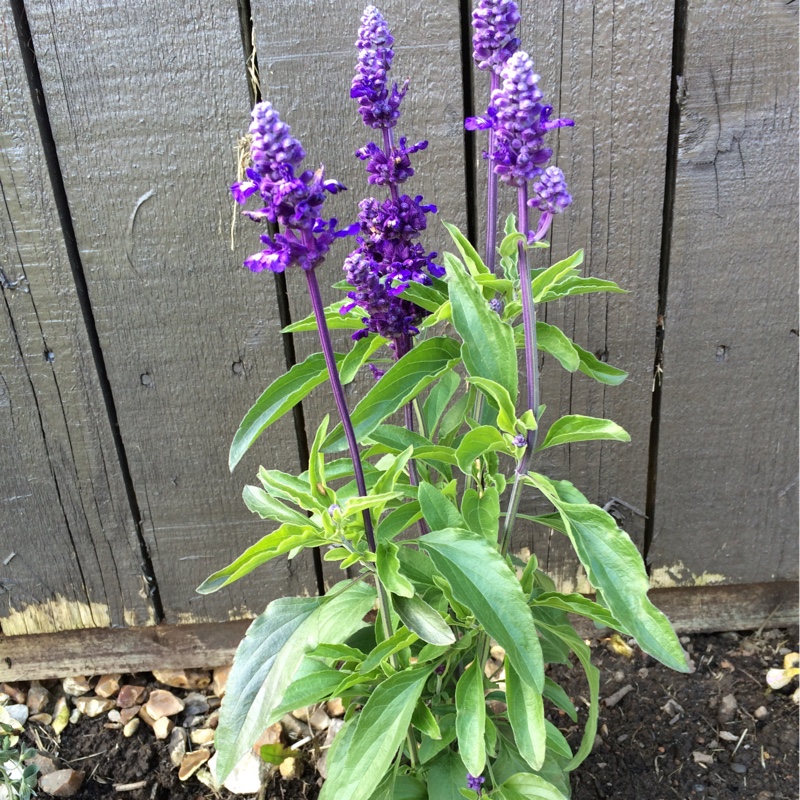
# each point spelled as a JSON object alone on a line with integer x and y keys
{"x": 646, "y": 748}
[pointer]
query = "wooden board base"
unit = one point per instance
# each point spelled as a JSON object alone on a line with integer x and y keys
{"x": 96, "y": 651}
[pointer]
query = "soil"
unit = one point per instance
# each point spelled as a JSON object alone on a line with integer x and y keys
{"x": 664, "y": 739}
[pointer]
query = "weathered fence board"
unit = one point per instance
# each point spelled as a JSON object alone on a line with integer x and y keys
{"x": 727, "y": 472}
{"x": 146, "y": 102}
{"x": 69, "y": 554}
{"x": 608, "y": 68}
{"x": 310, "y": 85}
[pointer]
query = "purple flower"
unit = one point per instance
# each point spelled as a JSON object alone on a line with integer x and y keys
{"x": 521, "y": 122}
{"x": 291, "y": 200}
{"x": 494, "y": 42}
{"x": 379, "y": 103}
{"x": 475, "y": 783}
{"x": 550, "y": 192}
{"x": 389, "y": 169}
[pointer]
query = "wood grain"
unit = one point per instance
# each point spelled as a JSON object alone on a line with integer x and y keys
{"x": 147, "y": 102}
{"x": 727, "y": 471}
{"x": 69, "y": 554}
{"x": 607, "y": 66}
{"x": 97, "y": 651}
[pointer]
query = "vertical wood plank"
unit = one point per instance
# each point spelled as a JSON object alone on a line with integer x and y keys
{"x": 147, "y": 101}
{"x": 607, "y": 66}
{"x": 308, "y": 80}
{"x": 69, "y": 552}
{"x": 727, "y": 468}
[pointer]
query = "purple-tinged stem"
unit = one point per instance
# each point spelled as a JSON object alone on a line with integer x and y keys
{"x": 388, "y": 146}
{"x": 491, "y": 215}
{"x": 531, "y": 371}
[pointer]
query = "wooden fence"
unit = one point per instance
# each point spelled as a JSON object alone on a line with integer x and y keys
{"x": 134, "y": 341}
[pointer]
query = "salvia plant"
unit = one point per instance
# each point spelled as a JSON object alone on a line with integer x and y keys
{"x": 17, "y": 779}
{"x": 415, "y": 491}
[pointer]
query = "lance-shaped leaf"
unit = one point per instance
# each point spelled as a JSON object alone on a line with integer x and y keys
{"x": 468, "y": 252}
{"x": 527, "y": 786}
{"x": 500, "y": 398}
{"x": 577, "y": 428}
{"x": 526, "y": 715}
{"x": 380, "y": 729}
{"x": 576, "y": 284}
{"x": 388, "y": 566}
{"x": 488, "y": 348}
{"x": 439, "y": 512}
{"x": 267, "y": 507}
{"x": 552, "y": 275}
{"x": 577, "y": 604}
{"x": 615, "y": 568}
{"x": 482, "y": 581}
{"x": 553, "y": 341}
{"x": 402, "y": 382}
{"x": 481, "y": 512}
{"x": 437, "y": 400}
{"x": 282, "y": 395}
{"x": 595, "y": 368}
{"x": 269, "y": 656}
{"x": 287, "y": 537}
{"x": 422, "y": 619}
{"x": 351, "y": 320}
{"x": 471, "y": 718}
{"x": 484, "y": 439}
{"x": 362, "y": 350}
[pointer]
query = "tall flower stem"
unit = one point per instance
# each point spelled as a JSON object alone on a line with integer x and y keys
{"x": 491, "y": 214}
{"x": 531, "y": 371}
{"x": 388, "y": 146}
{"x": 347, "y": 424}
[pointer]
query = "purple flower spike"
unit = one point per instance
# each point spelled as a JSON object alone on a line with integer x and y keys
{"x": 379, "y": 103}
{"x": 521, "y": 123}
{"x": 475, "y": 783}
{"x": 273, "y": 145}
{"x": 389, "y": 169}
{"x": 494, "y": 42}
{"x": 550, "y": 192}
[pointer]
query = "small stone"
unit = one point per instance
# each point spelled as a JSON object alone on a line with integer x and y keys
{"x": 497, "y": 653}
{"x": 245, "y": 777}
{"x": 162, "y": 703}
{"x": 619, "y": 676}
{"x": 702, "y": 758}
{"x": 42, "y": 719}
{"x": 38, "y": 698}
{"x": 685, "y": 640}
{"x": 4, "y": 698}
{"x": 45, "y": 763}
{"x": 643, "y": 673}
{"x": 17, "y": 694}
{"x": 322, "y": 763}
{"x": 740, "y": 769}
{"x": 127, "y": 714}
{"x": 176, "y": 747}
{"x": 335, "y": 707}
{"x": 60, "y": 715}
{"x": 319, "y": 720}
{"x": 192, "y": 762}
{"x": 130, "y": 727}
{"x": 194, "y": 721}
{"x": 220, "y": 680}
{"x": 214, "y": 702}
{"x": 18, "y": 712}
{"x": 107, "y": 685}
{"x": 93, "y": 706}
{"x": 289, "y": 768}
{"x": 76, "y": 686}
{"x": 272, "y": 735}
{"x": 130, "y": 695}
{"x": 295, "y": 728}
{"x": 202, "y": 736}
{"x": 112, "y": 726}
{"x": 195, "y": 704}
{"x": 761, "y": 713}
{"x": 727, "y": 709}
{"x": 74, "y": 716}
{"x": 162, "y": 727}
{"x": 61, "y": 783}
{"x": 183, "y": 678}
{"x": 727, "y": 736}
{"x": 114, "y": 715}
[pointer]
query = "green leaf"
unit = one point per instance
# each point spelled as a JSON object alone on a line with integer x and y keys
{"x": 488, "y": 348}
{"x": 288, "y": 487}
{"x": 455, "y": 415}
{"x": 424, "y": 721}
{"x": 500, "y": 398}
{"x": 577, "y": 604}
{"x": 592, "y": 366}
{"x": 475, "y": 443}
{"x": 614, "y": 566}
{"x": 468, "y": 252}
{"x": 446, "y": 777}
{"x": 575, "y": 284}
{"x": 551, "y": 340}
{"x": 286, "y": 538}
{"x": 267, "y": 507}
{"x": 388, "y": 566}
{"x": 482, "y": 580}
{"x": 423, "y": 620}
{"x": 393, "y": 471}
{"x": 559, "y": 698}
{"x": 355, "y": 359}
{"x": 436, "y": 402}
{"x": 526, "y": 715}
{"x": 269, "y": 656}
{"x": 399, "y": 787}
{"x": 316, "y": 463}
{"x": 282, "y": 395}
{"x": 380, "y": 730}
{"x": 418, "y": 567}
{"x": 577, "y": 428}
{"x": 398, "y": 641}
{"x": 510, "y": 244}
{"x": 556, "y": 742}
{"x": 530, "y": 787}
{"x": 471, "y": 718}
{"x": 403, "y": 381}
{"x": 427, "y": 297}
{"x": 351, "y": 320}
{"x": 275, "y": 753}
{"x": 438, "y": 511}
{"x": 395, "y": 522}
{"x": 552, "y": 275}
{"x": 481, "y": 512}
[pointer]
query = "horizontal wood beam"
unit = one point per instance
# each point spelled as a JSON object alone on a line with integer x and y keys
{"x": 96, "y": 651}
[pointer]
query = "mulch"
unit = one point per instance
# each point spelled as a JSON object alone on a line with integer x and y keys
{"x": 664, "y": 739}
